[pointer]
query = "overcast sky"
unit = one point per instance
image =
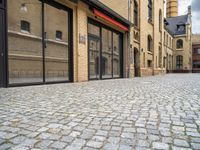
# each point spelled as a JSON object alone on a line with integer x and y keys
{"x": 183, "y": 4}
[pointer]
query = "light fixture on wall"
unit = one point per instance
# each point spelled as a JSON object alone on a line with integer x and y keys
{"x": 23, "y": 7}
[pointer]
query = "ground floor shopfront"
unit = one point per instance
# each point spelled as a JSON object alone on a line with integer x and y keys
{"x": 196, "y": 58}
{"x": 61, "y": 41}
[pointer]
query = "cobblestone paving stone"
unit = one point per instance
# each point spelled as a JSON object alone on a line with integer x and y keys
{"x": 160, "y": 112}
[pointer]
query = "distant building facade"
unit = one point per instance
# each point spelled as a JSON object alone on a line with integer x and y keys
{"x": 196, "y": 53}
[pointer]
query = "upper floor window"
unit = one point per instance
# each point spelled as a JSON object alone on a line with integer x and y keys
{"x": 135, "y": 13}
{"x": 181, "y": 28}
{"x": 25, "y": 26}
{"x": 196, "y": 64}
{"x": 58, "y": 35}
{"x": 149, "y": 43}
{"x": 179, "y": 43}
{"x": 150, "y": 10}
{"x": 197, "y": 51}
{"x": 160, "y": 20}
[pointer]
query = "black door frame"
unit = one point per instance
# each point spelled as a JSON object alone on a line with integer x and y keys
{"x": 3, "y": 64}
{"x": 100, "y": 25}
{"x": 70, "y": 45}
{"x": 2, "y": 47}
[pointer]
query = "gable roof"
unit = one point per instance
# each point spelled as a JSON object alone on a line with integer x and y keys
{"x": 174, "y": 21}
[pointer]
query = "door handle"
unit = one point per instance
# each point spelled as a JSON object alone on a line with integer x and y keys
{"x": 2, "y": 54}
{"x": 45, "y": 40}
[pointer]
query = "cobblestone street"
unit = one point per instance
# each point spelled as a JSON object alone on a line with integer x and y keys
{"x": 161, "y": 112}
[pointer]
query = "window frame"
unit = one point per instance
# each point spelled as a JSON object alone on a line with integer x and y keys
{"x": 197, "y": 51}
{"x": 179, "y": 62}
{"x": 25, "y": 26}
{"x": 181, "y": 25}
{"x": 160, "y": 20}
{"x": 135, "y": 11}
{"x": 60, "y": 33}
{"x": 179, "y": 44}
{"x": 150, "y": 11}
{"x": 149, "y": 43}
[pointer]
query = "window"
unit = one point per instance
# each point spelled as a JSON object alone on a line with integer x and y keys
{"x": 181, "y": 28}
{"x": 179, "y": 62}
{"x": 150, "y": 10}
{"x": 149, "y": 43}
{"x": 196, "y": 64}
{"x": 160, "y": 20}
{"x": 149, "y": 63}
{"x": 25, "y": 26}
{"x": 179, "y": 44}
{"x": 164, "y": 38}
{"x": 135, "y": 13}
{"x": 197, "y": 51}
{"x": 160, "y": 57}
{"x": 58, "y": 35}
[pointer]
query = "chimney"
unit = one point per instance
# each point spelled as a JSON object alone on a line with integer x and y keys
{"x": 172, "y": 8}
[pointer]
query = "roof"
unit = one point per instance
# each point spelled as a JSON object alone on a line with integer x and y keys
{"x": 108, "y": 11}
{"x": 174, "y": 21}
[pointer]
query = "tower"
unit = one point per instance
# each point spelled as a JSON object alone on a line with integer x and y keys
{"x": 172, "y": 8}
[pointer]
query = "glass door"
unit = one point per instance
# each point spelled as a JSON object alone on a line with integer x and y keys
{"x": 25, "y": 49}
{"x": 38, "y": 42}
{"x": 94, "y": 58}
{"x": 56, "y": 44}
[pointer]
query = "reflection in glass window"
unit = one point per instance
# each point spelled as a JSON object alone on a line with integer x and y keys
{"x": 197, "y": 51}
{"x": 116, "y": 55}
{"x": 179, "y": 62}
{"x": 106, "y": 53}
{"x": 25, "y": 60}
{"x": 179, "y": 43}
{"x": 56, "y": 52}
{"x": 94, "y": 30}
{"x": 58, "y": 35}
{"x": 25, "y": 26}
{"x": 196, "y": 64}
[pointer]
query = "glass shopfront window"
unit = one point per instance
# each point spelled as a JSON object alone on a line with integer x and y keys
{"x": 116, "y": 55}
{"x": 25, "y": 47}
{"x": 105, "y": 52}
{"x": 37, "y": 53}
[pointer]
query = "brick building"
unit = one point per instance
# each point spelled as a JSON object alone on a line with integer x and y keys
{"x": 196, "y": 53}
{"x": 61, "y": 41}
{"x": 80, "y": 40}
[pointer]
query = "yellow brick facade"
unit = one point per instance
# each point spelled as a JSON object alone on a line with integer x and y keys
{"x": 148, "y": 47}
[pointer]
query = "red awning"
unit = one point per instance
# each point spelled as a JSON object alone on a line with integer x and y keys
{"x": 100, "y": 14}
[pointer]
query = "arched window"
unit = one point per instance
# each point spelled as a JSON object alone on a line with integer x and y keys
{"x": 149, "y": 43}
{"x": 160, "y": 20}
{"x": 179, "y": 43}
{"x": 135, "y": 13}
{"x": 150, "y": 10}
{"x": 25, "y": 26}
{"x": 179, "y": 62}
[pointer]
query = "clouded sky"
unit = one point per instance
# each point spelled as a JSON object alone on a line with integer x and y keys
{"x": 183, "y": 4}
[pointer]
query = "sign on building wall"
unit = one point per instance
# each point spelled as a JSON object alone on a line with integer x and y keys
{"x": 82, "y": 39}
